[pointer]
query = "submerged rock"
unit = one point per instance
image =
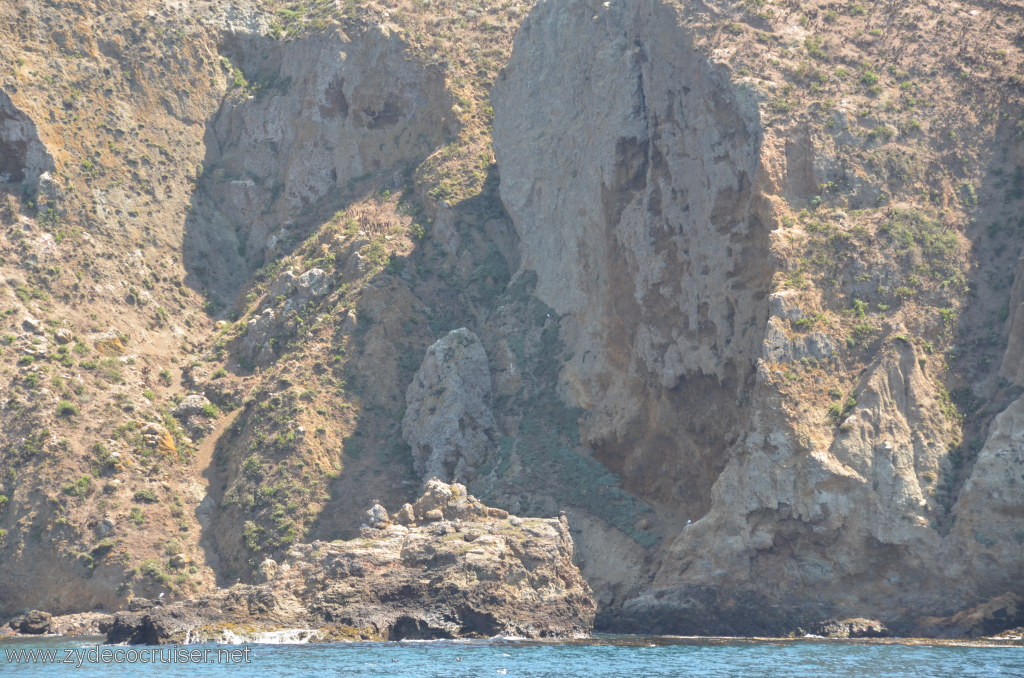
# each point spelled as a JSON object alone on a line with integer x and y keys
{"x": 456, "y": 569}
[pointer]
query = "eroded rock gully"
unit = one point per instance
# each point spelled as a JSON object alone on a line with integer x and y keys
{"x": 306, "y": 120}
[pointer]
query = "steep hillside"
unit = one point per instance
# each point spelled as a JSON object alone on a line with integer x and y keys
{"x": 733, "y": 285}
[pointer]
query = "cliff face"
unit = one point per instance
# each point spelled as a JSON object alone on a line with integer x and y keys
{"x": 738, "y": 290}
{"x": 643, "y": 186}
{"x": 629, "y": 173}
{"x": 25, "y": 158}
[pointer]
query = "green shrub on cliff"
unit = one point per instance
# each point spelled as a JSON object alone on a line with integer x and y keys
{"x": 78, "y": 488}
{"x": 151, "y": 569}
{"x": 908, "y": 228}
{"x": 66, "y": 408}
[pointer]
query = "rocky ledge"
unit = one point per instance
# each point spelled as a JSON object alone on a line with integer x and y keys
{"x": 37, "y": 623}
{"x": 444, "y": 567}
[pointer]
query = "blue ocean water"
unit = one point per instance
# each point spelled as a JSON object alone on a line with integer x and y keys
{"x": 597, "y": 658}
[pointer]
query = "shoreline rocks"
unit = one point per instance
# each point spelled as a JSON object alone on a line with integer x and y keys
{"x": 856, "y": 627}
{"x": 37, "y": 622}
{"x": 457, "y": 569}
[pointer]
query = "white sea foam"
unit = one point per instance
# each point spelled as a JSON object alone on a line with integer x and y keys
{"x": 281, "y": 637}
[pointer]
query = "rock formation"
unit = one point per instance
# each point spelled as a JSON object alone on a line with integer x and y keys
{"x": 23, "y": 157}
{"x": 629, "y": 173}
{"x": 449, "y": 423}
{"x": 341, "y": 105}
{"x": 637, "y": 176}
{"x": 450, "y": 568}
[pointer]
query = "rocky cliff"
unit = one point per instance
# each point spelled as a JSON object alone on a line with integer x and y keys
{"x": 651, "y": 201}
{"x": 736, "y": 286}
{"x": 628, "y": 172}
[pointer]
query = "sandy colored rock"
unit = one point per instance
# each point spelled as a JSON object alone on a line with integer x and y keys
{"x": 109, "y": 345}
{"x": 405, "y": 515}
{"x": 396, "y": 583}
{"x": 851, "y": 628}
{"x": 165, "y": 443}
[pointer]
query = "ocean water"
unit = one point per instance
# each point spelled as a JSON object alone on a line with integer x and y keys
{"x": 611, "y": 656}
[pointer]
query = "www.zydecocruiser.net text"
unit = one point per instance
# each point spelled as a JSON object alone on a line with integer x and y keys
{"x": 80, "y": 656}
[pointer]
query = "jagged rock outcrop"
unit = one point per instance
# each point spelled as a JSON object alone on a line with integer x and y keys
{"x": 448, "y": 421}
{"x": 23, "y": 157}
{"x": 459, "y": 569}
{"x": 256, "y": 346}
{"x": 987, "y": 542}
{"x": 35, "y": 622}
{"x": 295, "y": 291}
{"x": 781, "y": 344}
{"x": 803, "y": 516}
{"x": 985, "y": 619}
{"x": 851, "y": 628}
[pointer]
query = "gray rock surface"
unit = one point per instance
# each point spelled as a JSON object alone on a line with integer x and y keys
{"x": 23, "y": 157}
{"x": 190, "y": 405}
{"x": 342, "y": 105}
{"x": 377, "y": 517}
{"x": 448, "y": 420}
{"x": 309, "y": 285}
{"x": 638, "y": 178}
{"x": 988, "y": 536}
{"x": 1012, "y": 366}
{"x": 659, "y": 278}
{"x": 256, "y": 346}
